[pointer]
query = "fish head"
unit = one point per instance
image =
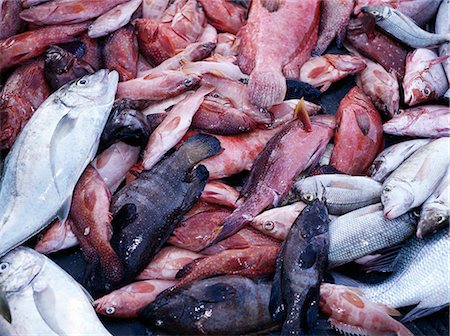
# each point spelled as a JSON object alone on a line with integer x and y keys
{"x": 378, "y": 12}
{"x": 57, "y": 59}
{"x": 18, "y": 268}
{"x": 377, "y": 170}
{"x": 98, "y": 89}
{"x": 432, "y": 219}
{"x": 400, "y": 121}
{"x": 397, "y": 199}
{"x": 418, "y": 90}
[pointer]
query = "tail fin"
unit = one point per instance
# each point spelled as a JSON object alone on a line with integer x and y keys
{"x": 199, "y": 147}
{"x": 234, "y": 223}
{"x": 266, "y": 87}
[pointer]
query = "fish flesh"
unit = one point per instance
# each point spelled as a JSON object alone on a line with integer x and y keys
{"x": 381, "y": 87}
{"x": 334, "y": 17}
{"x": 114, "y": 19}
{"x": 24, "y": 91}
{"x": 344, "y": 193}
{"x": 224, "y": 15}
{"x": 217, "y": 192}
{"x": 62, "y": 67}
{"x": 274, "y": 170}
{"x": 214, "y": 306}
{"x": 56, "y": 237}
{"x": 422, "y": 121}
{"x": 67, "y": 11}
{"x": 42, "y": 296}
{"x": 126, "y": 302}
{"x": 425, "y": 78}
{"x": 172, "y": 186}
{"x": 277, "y": 222}
{"x": 166, "y": 85}
{"x": 272, "y": 47}
{"x": 324, "y": 70}
{"x": 9, "y": 18}
{"x": 364, "y": 231}
{"x": 392, "y": 157}
{"x": 300, "y": 266}
{"x": 436, "y": 209}
{"x": 50, "y": 155}
{"x": 352, "y": 313}
{"x": 403, "y": 28}
{"x": 416, "y": 178}
{"x": 173, "y": 127}
{"x": 424, "y": 283}
{"x": 359, "y": 135}
{"x": 19, "y": 48}
{"x": 166, "y": 263}
{"x": 253, "y": 261}
{"x": 371, "y": 43}
{"x": 121, "y": 53}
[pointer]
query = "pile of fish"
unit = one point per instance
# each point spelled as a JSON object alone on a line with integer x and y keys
{"x": 182, "y": 145}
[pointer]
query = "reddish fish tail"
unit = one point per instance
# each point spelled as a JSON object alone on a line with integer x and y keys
{"x": 266, "y": 87}
{"x": 111, "y": 266}
{"x": 234, "y": 223}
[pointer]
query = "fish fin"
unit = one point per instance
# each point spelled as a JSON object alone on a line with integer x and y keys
{"x": 425, "y": 169}
{"x": 347, "y": 329}
{"x": 266, "y": 87}
{"x": 232, "y": 224}
{"x": 277, "y": 307}
{"x": 200, "y": 147}
{"x": 64, "y": 210}
{"x": 312, "y": 304}
{"x": 45, "y": 302}
{"x": 188, "y": 268}
{"x": 364, "y": 122}
{"x": 447, "y": 94}
{"x": 418, "y": 312}
{"x": 5, "y": 311}
{"x": 302, "y": 114}
{"x": 340, "y": 36}
{"x": 271, "y": 5}
{"x": 218, "y": 292}
{"x": 340, "y": 279}
{"x": 384, "y": 261}
{"x": 437, "y": 60}
{"x": 389, "y": 310}
{"x": 126, "y": 214}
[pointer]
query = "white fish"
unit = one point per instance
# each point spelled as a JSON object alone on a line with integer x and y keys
{"x": 416, "y": 178}
{"x": 50, "y": 154}
{"x": 44, "y": 299}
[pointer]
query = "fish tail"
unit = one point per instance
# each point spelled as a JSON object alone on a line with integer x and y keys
{"x": 266, "y": 87}
{"x": 199, "y": 147}
{"x": 232, "y": 224}
{"x": 111, "y": 266}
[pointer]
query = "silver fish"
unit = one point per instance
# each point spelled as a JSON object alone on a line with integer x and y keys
{"x": 442, "y": 23}
{"x": 436, "y": 209}
{"x": 444, "y": 50}
{"x": 421, "y": 276}
{"x": 344, "y": 193}
{"x": 392, "y": 157}
{"x": 416, "y": 178}
{"x": 44, "y": 299}
{"x": 325, "y": 158}
{"x": 403, "y": 28}
{"x": 364, "y": 231}
{"x": 50, "y": 154}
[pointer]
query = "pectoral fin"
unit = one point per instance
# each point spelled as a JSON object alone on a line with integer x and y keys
{"x": 5, "y": 312}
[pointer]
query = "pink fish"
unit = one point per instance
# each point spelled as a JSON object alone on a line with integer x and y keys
{"x": 157, "y": 87}
{"x": 425, "y": 78}
{"x": 277, "y": 39}
{"x": 286, "y": 155}
{"x": 359, "y": 4}
{"x": 22, "y": 47}
{"x": 381, "y": 86}
{"x": 219, "y": 193}
{"x": 227, "y": 44}
{"x": 334, "y": 17}
{"x": 58, "y": 236}
{"x": 224, "y": 15}
{"x": 215, "y": 65}
{"x": 167, "y": 262}
{"x": 325, "y": 70}
{"x": 209, "y": 35}
{"x": 431, "y": 121}
{"x": 9, "y": 18}
{"x": 67, "y": 11}
{"x": 351, "y": 313}
{"x": 154, "y": 9}
{"x": 173, "y": 127}
{"x": 126, "y": 302}
{"x": 93, "y": 51}
{"x": 284, "y": 112}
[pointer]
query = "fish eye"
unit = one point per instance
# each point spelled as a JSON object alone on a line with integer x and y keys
{"x": 269, "y": 226}
{"x": 4, "y": 266}
{"x": 374, "y": 13}
{"x": 416, "y": 213}
{"x": 426, "y": 91}
{"x": 82, "y": 82}
{"x": 110, "y": 310}
{"x": 187, "y": 82}
{"x": 308, "y": 197}
{"x": 386, "y": 189}
{"x": 438, "y": 218}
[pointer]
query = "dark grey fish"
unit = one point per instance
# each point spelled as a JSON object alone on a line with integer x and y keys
{"x": 299, "y": 271}
{"x": 297, "y": 89}
{"x": 215, "y": 306}
{"x": 148, "y": 209}
{"x": 62, "y": 67}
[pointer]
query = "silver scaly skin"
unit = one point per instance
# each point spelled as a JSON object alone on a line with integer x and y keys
{"x": 50, "y": 154}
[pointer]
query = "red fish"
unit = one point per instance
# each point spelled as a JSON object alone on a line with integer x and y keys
{"x": 286, "y": 155}
{"x": 20, "y": 48}
{"x": 277, "y": 39}
{"x": 250, "y": 262}
{"x": 9, "y": 18}
{"x": 196, "y": 230}
{"x": 121, "y": 53}
{"x": 219, "y": 193}
{"x": 359, "y": 134}
{"x": 58, "y": 236}
{"x": 372, "y": 43}
{"x": 24, "y": 91}
{"x": 224, "y": 15}
{"x": 67, "y": 11}
{"x": 126, "y": 302}
{"x": 93, "y": 52}
{"x": 91, "y": 221}
{"x": 227, "y": 44}
{"x": 167, "y": 262}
